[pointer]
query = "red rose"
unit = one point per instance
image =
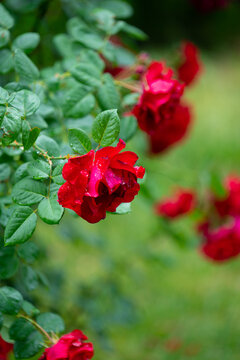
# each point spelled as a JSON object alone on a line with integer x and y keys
{"x": 223, "y": 243}
{"x": 190, "y": 66}
{"x": 70, "y": 347}
{"x": 171, "y": 131}
{"x": 5, "y": 349}
{"x": 230, "y": 204}
{"x": 100, "y": 181}
{"x": 159, "y": 100}
{"x": 181, "y": 203}
{"x": 210, "y": 5}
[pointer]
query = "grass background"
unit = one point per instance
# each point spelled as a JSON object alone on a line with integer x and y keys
{"x": 186, "y": 307}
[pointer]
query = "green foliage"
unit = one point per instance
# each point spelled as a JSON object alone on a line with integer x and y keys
{"x": 79, "y": 141}
{"x": 25, "y": 68}
{"x": 48, "y": 113}
{"x": 106, "y": 127}
{"x": 51, "y": 322}
{"x": 10, "y": 300}
{"x": 50, "y": 211}
{"x": 20, "y": 226}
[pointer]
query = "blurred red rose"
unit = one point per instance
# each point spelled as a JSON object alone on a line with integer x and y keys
{"x": 70, "y": 347}
{"x": 230, "y": 204}
{"x": 114, "y": 70}
{"x": 190, "y": 67}
{"x": 5, "y": 349}
{"x": 160, "y": 98}
{"x": 222, "y": 243}
{"x": 182, "y": 202}
{"x": 210, "y": 5}
{"x": 100, "y": 181}
{"x": 171, "y": 131}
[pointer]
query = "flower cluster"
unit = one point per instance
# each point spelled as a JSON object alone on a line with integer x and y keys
{"x": 100, "y": 181}
{"x": 181, "y": 203}
{"x": 5, "y": 349}
{"x": 190, "y": 67}
{"x": 70, "y": 346}
{"x": 221, "y": 228}
{"x": 159, "y": 111}
{"x": 220, "y": 225}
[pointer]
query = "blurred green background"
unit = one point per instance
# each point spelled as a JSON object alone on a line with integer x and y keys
{"x": 145, "y": 295}
{"x": 136, "y": 291}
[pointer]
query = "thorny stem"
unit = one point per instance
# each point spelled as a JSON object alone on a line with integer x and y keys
{"x": 127, "y": 86}
{"x": 41, "y": 152}
{"x": 38, "y": 327}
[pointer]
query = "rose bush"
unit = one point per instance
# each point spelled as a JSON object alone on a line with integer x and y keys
{"x": 64, "y": 122}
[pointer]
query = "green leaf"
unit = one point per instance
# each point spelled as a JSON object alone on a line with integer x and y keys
{"x": 28, "y": 252}
{"x": 29, "y": 309}
{"x": 122, "y": 209}
{"x": 29, "y": 278}
{"x": 106, "y": 127}
{"x": 108, "y": 95}
{"x": 29, "y": 347}
{"x": 6, "y": 63}
{"x": 78, "y": 102}
{"x": 105, "y": 19}
{"x": 90, "y": 56}
{"x": 128, "y": 127}
{"x": 29, "y": 136}
{"x": 84, "y": 35}
{"x": 79, "y": 141}
{"x": 4, "y": 37}
{"x": 5, "y": 172}
{"x": 120, "y": 8}
{"x": 21, "y": 172}
{"x": 29, "y": 192}
{"x": 25, "y": 67}
{"x": 8, "y": 262}
{"x": 51, "y": 322}
{"x": 10, "y": 122}
{"x": 134, "y": 32}
{"x": 25, "y": 101}
{"x": 130, "y": 99}
{"x": 20, "y": 329}
{"x": 3, "y": 96}
{"x": 6, "y": 20}
{"x": 87, "y": 74}
{"x": 20, "y": 226}
{"x": 27, "y": 42}
{"x": 57, "y": 175}
{"x": 64, "y": 45}
{"x": 50, "y": 211}
{"x": 49, "y": 145}
{"x": 10, "y": 300}
{"x": 39, "y": 169}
